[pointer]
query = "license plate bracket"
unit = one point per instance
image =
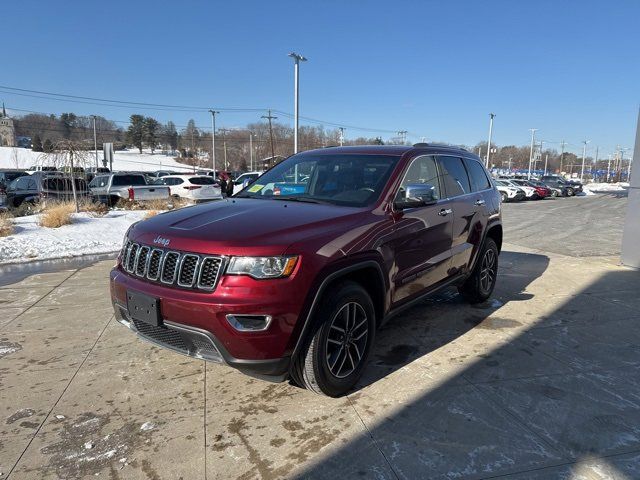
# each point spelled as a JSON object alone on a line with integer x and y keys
{"x": 144, "y": 308}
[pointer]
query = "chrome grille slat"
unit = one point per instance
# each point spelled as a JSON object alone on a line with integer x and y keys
{"x": 188, "y": 271}
{"x": 169, "y": 268}
{"x": 172, "y": 268}
{"x": 141, "y": 261}
{"x": 155, "y": 261}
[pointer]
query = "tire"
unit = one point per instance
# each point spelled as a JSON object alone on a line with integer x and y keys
{"x": 504, "y": 197}
{"x": 324, "y": 366}
{"x": 570, "y": 192}
{"x": 554, "y": 193}
{"x": 480, "y": 284}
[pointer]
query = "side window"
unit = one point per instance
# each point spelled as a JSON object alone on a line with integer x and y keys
{"x": 21, "y": 183}
{"x": 478, "y": 177}
{"x": 422, "y": 172}
{"x": 454, "y": 176}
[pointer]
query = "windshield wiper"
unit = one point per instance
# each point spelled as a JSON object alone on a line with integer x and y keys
{"x": 297, "y": 199}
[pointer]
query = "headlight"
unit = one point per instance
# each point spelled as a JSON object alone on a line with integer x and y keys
{"x": 262, "y": 267}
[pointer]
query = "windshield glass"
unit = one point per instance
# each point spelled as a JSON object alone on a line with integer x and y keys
{"x": 349, "y": 180}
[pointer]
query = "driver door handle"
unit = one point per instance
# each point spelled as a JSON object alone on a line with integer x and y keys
{"x": 444, "y": 212}
{"x": 480, "y": 202}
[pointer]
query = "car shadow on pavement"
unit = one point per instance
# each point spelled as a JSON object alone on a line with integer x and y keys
{"x": 546, "y": 388}
{"x": 445, "y": 316}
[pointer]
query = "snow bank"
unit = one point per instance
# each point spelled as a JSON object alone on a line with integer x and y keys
{"x": 605, "y": 187}
{"x": 11, "y": 157}
{"x": 86, "y": 235}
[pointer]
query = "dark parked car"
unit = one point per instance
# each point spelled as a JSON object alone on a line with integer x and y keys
{"x": 38, "y": 187}
{"x": 568, "y": 187}
{"x": 295, "y": 286}
{"x": 6, "y": 177}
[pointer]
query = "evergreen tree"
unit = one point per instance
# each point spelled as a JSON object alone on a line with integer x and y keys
{"x": 69, "y": 122}
{"x": 36, "y": 144}
{"x": 171, "y": 135}
{"x": 48, "y": 146}
{"x": 151, "y": 130}
{"x": 135, "y": 132}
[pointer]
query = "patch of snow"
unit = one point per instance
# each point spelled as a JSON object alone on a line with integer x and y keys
{"x": 88, "y": 445}
{"x": 60, "y": 417}
{"x": 605, "y": 187}
{"x": 86, "y": 235}
{"x": 146, "y": 426}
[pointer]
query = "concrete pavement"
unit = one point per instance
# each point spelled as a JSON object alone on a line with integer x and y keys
{"x": 540, "y": 382}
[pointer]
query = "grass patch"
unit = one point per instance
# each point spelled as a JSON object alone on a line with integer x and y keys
{"x": 6, "y": 224}
{"x": 151, "y": 213}
{"x": 96, "y": 209}
{"x": 56, "y": 215}
{"x": 160, "y": 205}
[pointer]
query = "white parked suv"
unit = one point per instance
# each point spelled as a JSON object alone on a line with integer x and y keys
{"x": 509, "y": 193}
{"x": 529, "y": 192}
{"x": 198, "y": 188}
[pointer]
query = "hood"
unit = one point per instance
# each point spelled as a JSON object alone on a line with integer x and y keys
{"x": 243, "y": 226}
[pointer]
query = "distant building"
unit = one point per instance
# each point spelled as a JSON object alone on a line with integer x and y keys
{"x": 7, "y": 131}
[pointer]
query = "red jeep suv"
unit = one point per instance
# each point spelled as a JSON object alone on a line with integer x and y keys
{"x": 291, "y": 277}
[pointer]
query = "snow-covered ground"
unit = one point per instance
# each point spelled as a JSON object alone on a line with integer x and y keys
{"x": 86, "y": 235}
{"x": 605, "y": 187}
{"x": 13, "y": 157}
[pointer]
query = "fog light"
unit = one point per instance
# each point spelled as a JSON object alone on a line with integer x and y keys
{"x": 249, "y": 323}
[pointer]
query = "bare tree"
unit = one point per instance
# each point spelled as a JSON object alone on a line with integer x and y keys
{"x": 70, "y": 155}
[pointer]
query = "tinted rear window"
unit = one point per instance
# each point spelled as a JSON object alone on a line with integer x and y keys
{"x": 202, "y": 180}
{"x": 477, "y": 176}
{"x": 125, "y": 180}
{"x": 454, "y": 175}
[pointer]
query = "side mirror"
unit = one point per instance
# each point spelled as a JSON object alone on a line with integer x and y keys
{"x": 417, "y": 195}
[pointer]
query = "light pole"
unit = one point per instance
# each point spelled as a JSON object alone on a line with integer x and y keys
{"x": 533, "y": 135}
{"x": 562, "y": 145}
{"x": 491, "y": 115}
{"x": 213, "y": 141}
{"x": 296, "y": 77}
{"x": 584, "y": 154}
{"x": 251, "y": 151}
{"x": 341, "y": 135}
{"x": 95, "y": 141}
{"x": 403, "y": 136}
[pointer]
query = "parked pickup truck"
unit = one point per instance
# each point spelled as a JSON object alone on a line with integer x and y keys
{"x": 113, "y": 187}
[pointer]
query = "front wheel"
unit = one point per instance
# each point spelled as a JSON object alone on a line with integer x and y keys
{"x": 503, "y": 197}
{"x": 554, "y": 193}
{"x": 570, "y": 192}
{"x": 337, "y": 350}
{"x": 479, "y": 286}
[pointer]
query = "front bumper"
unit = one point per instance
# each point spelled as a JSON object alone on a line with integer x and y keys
{"x": 194, "y": 323}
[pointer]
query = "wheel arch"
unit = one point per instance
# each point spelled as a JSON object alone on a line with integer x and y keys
{"x": 495, "y": 233}
{"x": 367, "y": 273}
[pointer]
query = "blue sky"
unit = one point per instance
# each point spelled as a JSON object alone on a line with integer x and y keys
{"x": 436, "y": 69}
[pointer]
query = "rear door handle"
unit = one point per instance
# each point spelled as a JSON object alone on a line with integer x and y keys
{"x": 480, "y": 202}
{"x": 444, "y": 212}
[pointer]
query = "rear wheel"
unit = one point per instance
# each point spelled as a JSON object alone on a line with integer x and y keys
{"x": 336, "y": 351}
{"x": 554, "y": 193}
{"x": 503, "y": 197}
{"x": 479, "y": 286}
{"x": 570, "y": 192}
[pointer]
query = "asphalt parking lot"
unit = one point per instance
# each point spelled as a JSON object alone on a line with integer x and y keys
{"x": 540, "y": 382}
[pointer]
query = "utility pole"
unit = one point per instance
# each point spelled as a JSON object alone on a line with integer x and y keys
{"x": 595, "y": 162}
{"x": 584, "y": 154}
{"x": 271, "y": 117}
{"x": 562, "y": 145}
{"x": 251, "y": 151}
{"x": 213, "y": 141}
{"x": 608, "y": 168}
{"x": 224, "y": 147}
{"x": 533, "y": 135}
{"x": 486, "y": 163}
{"x": 296, "y": 93}
{"x": 341, "y": 135}
{"x": 95, "y": 141}
{"x": 546, "y": 161}
{"x": 403, "y": 136}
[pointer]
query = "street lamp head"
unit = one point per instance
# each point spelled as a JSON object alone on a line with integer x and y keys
{"x": 297, "y": 57}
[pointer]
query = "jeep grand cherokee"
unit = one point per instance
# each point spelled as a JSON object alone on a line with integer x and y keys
{"x": 291, "y": 277}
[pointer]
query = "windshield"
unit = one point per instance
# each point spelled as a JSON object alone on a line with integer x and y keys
{"x": 349, "y": 180}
